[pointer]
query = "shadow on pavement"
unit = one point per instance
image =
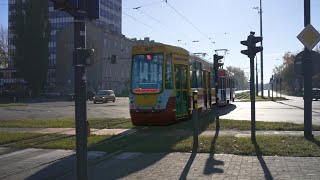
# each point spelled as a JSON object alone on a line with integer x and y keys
{"x": 211, "y": 162}
{"x": 137, "y": 156}
{"x": 267, "y": 173}
{"x": 226, "y": 109}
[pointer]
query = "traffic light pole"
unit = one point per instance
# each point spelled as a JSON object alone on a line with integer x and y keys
{"x": 216, "y": 79}
{"x": 257, "y": 83}
{"x": 80, "y": 98}
{"x": 307, "y": 79}
{"x": 253, "y": 99}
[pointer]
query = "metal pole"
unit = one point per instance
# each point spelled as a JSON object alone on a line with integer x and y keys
{"x": 280, "y": 87}
{"x": 80, "y": 97}
{"x": 252, "y": 98}
{"x": 257, "y": 83}
{"x": 307, "y": 79}
{"x": 261, "y": 53}
{"x": 272, "y": 89}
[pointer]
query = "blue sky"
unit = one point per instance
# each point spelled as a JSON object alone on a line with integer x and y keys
{"x": 225, "y": 22}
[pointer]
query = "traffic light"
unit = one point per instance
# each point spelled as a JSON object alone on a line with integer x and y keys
{"x": 216, "y": 59}
{"x": 113, "y": 59}
{"x": 65, "y": 4}
{"x": 92, "y": 9}
{"x": 252, "y": 49}
{"x": 85, "y": 57}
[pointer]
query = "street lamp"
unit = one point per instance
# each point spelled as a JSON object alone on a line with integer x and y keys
{"x": 261, "y": 53}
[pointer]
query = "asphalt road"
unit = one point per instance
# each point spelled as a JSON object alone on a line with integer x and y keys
{"x": 281, "y": 111}
{"x": 291, "y": 110}
{"x": 63, "y": 109}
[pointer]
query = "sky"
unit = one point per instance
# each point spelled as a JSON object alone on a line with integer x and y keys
{"x": 203, "y": 26}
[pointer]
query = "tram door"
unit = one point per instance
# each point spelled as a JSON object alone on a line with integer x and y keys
{"x": 223, "y": 89}
{"x": 181, "y": 90}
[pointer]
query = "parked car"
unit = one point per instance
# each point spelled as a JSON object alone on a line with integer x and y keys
{"x": 316, "y": 93}
{"x": 90, "y": 95}
{"x": 104, "y": 96}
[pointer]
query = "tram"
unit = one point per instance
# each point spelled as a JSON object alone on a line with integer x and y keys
{"x": 163, "y": 79}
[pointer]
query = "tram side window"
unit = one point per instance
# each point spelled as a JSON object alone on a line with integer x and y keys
{"x": 199, "y": 74}
{"x": 168, "y": 72}
{"x": 193, "y": 74}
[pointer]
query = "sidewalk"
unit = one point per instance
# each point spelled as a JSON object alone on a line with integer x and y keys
{"x": 71, "y": 131}
{"x": 60, "y": 164}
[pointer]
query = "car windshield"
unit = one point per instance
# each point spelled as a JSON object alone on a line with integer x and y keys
{"x": 147, "y": 73}
{"x": 102, "y": 92}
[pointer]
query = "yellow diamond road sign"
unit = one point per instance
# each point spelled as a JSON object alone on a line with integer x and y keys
{"x": 309, "y": 37}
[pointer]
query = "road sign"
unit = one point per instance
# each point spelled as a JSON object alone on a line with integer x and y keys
{"x": 298, "y": 63}
{"x": 309, "y": 37}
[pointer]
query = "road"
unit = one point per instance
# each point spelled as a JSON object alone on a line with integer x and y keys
{"x": 290, "y": 110}
{"x": 281, "y": 111}
{"x": 64, "y": 109}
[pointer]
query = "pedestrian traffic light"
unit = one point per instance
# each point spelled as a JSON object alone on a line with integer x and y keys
{"x": 65, "y": 4}
{"x": 84, "y": 57}
{"x": 113, "y": 59}
{"x": 216, "y": 59}
{"x": 252, "y": 49}
{"x": 92, "y": 9}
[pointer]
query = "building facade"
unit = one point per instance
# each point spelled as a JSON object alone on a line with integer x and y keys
{"x": 102, "y": 74}
{"x": 110, "y": 19}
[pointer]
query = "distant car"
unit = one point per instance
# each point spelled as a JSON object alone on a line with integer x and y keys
{"x": 104, "y": 96}
{"x": 50, "y": 95}
{"x": 316, "y": 93}
{"x": 90, "y": 95}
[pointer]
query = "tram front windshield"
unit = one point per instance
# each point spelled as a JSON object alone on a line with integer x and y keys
{"x": 147, "y": 73}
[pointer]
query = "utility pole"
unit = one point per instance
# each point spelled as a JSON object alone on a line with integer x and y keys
{"x": 307, "y": 65}
{"x": 261, "y": 53}
{"x": 257, "y": 83}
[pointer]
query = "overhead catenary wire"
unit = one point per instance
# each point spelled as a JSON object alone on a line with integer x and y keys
{"x": 150, "y": 4}
{"x": 137, "y": 20}
{"x": 172, "y": 29}
{"x": 208, "y": 38}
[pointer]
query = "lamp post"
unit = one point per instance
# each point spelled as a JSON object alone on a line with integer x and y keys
{"x": 261, "y": 53}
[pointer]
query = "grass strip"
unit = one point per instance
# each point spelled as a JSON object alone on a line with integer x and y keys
{"x": 147, "y": 141}
{"x": 12, "y": 104}
{"x": 49, "y": 141}
{"x": 10, "y": 137}
{"x": 270, "y": 145}
{"x": 205, "y": 123}
{"x": 120, "y": 123}
{"x": 245, "y": 97}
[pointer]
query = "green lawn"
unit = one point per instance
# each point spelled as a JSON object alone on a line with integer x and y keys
{"x": 46, "y": 141}
{"x": 151, "y": 141}
{"x": 67, "y": 123}
{"x": 12, "y": 104}
{"x": 245, "y": 97}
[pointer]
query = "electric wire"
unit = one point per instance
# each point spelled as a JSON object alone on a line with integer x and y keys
{"x": 172, "y": 29}
{"x": 187, "y": 20}
{"x": 150, "y": 4}
{"x": 137, "y": 20}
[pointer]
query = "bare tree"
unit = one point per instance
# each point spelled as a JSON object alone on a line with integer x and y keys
{"x": 3, "y": 46}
